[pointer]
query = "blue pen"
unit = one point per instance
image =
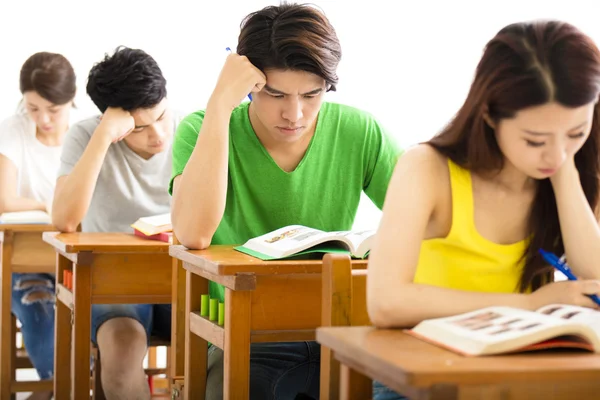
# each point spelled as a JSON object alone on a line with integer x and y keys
{"x": 562, "y": 266}
{"x": 249, "y": 94}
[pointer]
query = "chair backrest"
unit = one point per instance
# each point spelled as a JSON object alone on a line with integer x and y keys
{"x": 344, "y": 303}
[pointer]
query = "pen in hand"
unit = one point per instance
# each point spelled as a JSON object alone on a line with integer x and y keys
{"x": 249, "y": 94}
{"x": 561, "y": 265}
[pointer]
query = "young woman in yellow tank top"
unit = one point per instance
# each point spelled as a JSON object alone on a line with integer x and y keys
{"x": 516, "y": 170}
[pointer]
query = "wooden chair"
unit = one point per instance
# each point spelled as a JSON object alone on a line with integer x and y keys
{"x": 344, "y": 303}
{"x": 22, "y": 251}
{"x": 177, "y": 388}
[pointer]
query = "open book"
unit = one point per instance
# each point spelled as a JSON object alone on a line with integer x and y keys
{"x": 26, "y": 217}
{"x": 294, "y": 240}
{"x": 496, "y": 330}
{"x": 150, "y": 226}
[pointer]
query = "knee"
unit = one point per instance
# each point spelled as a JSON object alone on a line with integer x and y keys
{"x": 32, "y": 293}
{"x": 121, "y": 341}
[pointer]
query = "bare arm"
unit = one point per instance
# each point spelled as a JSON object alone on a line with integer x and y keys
{"x": 68, "y": 210}
{"x": 9, "y": 200}
{"x": 393, "y": 299}
{"x": 578, "y": 224}
{"x": 73, "y": 192}
{"x": 199, "y": 193}
{"x": 204, "y": 180}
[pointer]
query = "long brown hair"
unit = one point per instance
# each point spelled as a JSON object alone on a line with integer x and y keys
{"x": 525, "y": 65}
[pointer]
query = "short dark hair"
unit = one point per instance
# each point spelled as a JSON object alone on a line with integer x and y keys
{"x": 129, "y": 79}
{"x": 291, "y": 36}
{"x": 51, "y": 75}
{"x": 525, "y": 65}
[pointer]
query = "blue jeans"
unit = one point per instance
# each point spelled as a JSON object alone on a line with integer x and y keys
{"x": 155, "y": 318}
{"x": 381, "y": 392}
{"x": 278, "y": 371}
{"x": 33, "y": 301}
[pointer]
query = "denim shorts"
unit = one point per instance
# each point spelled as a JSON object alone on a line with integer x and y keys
{"x": 155, "y": 318}
{"x": 381, "y": 392}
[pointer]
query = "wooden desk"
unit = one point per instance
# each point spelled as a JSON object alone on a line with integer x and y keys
{"x": 265, "y": 301}
{"x": 22, "y": 251}
{"x": 108, "y": 268}
{"x": 419, "y": 370}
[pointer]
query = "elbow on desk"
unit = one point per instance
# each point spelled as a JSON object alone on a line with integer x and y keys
{"x": 64, "y": 226}
{"x": 388, "y": 312}
{"x": 193, "y": 242}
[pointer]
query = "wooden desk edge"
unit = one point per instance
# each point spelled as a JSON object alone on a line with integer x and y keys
{"x": 356, "y": 357}
{"x": 181, "y": 253}
{"x": 50, "y": 238}
{"x": 27, "y": 227}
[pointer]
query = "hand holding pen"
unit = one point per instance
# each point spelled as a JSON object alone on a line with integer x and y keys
{"x": 238, "y": 78}
{"x": 230, "y": 52}
{"x": 574, "y": 292}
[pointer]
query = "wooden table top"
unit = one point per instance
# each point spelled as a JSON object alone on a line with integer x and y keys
{"x": 224, "y": 260}
{"x": 402, "y": 358}
{"x": 100, "y": 242}
{"x": 27, "y": 227}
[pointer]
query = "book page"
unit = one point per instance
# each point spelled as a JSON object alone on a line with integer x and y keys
{"x": 356, "y": 238}
{"x": 495, "y": 324}
{"x": 26, "y": 217}
{"x": 157, "y": 220}
{"x": 290, "y": 237}
{"x": 583, "y": 315}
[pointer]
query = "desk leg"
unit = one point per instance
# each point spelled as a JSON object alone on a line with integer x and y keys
{"x": 178, "y": 318}
{"x": 62, "y": 339}
{"x": 80, "y": 362}
{"x": 237, "y": 344}
{"x": 196, "y": 348}
{"x": 6, "y": 329}
{"x": 353, "y": 385}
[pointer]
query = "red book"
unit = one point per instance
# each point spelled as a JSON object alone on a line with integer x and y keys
{"x": 166, "y": 237}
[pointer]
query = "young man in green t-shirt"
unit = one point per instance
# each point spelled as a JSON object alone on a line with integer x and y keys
{"x": 286, "y": 157}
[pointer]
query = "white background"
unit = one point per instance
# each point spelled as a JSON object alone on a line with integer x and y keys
{"x": 410, "y": 65}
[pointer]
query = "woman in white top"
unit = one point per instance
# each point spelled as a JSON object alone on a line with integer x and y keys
{"x": 30, "y": 148}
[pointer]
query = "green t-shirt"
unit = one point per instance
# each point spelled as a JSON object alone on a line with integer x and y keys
{"x": 349, "y": 153}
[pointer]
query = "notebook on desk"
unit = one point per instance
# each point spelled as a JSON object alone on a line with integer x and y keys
{"x": 26, "y": 217}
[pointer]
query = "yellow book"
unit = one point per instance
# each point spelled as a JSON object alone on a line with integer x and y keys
{"x": 153, "y": 225}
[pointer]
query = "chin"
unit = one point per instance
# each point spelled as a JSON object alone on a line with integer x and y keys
{"x": 156, "y": 150}
{"x": 288, "y": 138}
{"x": 539, "y": 176}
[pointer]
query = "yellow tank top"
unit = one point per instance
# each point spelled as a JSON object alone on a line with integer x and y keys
{"x": 464, "y": 259}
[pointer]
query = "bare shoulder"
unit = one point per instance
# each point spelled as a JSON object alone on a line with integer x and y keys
{"x": 424, "y": 161}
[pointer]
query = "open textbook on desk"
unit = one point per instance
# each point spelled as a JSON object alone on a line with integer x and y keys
{"x": 497, "y": 330}
{"x": 294, "y": 240}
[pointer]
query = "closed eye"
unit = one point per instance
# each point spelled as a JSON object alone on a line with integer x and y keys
{"x": 534, "y": 144}
{"x": 577, "y": 135}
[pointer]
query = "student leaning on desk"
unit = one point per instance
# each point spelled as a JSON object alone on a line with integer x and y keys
{"x": 30, "y": 147}
{"x": 287, "y": 157}
{"x": 119, "y": 166}
{"x": 516, "y": 170}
